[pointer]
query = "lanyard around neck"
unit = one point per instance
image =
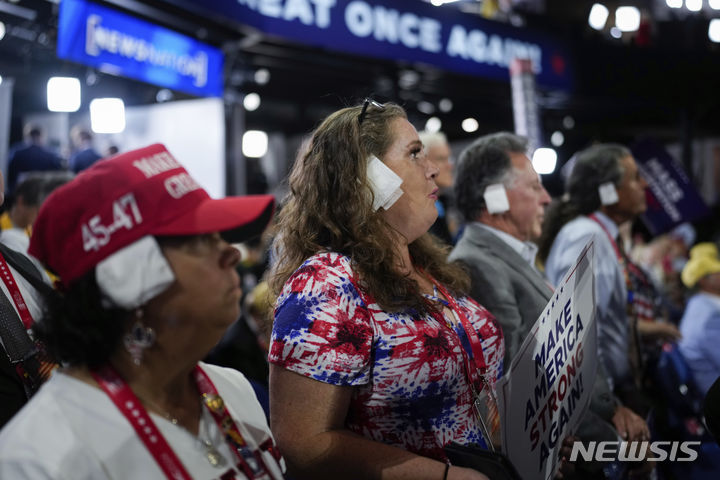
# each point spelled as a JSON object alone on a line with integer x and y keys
{"x": 472, "y": 336}
{"x": 12, "y": 286}
{"x": 132, "y": 409}
{"x": 622, "y": 260}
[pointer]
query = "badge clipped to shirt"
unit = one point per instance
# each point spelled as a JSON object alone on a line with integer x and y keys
{"x": 488, "y": 415}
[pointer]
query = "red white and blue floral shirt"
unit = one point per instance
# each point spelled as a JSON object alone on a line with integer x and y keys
{"x": 412, "y": 390}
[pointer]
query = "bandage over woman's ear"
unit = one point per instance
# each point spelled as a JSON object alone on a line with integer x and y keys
{"x": 385, "y": 184}
{"x": 134, "y": 274}
{"x": 608, "y": 193}
{"x": 496, "y": 199}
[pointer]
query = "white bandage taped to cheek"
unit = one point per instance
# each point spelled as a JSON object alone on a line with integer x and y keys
{"x": 384, "y": 183}
{"x": 608, "y": 193}
{"x": 134, "y": 274}
{"x": 496, "y": 199}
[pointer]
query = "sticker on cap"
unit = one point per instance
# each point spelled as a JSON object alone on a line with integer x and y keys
{"x": 608, "y": 193}
{"x": 496, "y": 199}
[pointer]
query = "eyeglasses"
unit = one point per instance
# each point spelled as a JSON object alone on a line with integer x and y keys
{"x": 368, "y": 101}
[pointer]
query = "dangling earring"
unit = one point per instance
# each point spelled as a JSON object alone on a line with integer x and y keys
{"x": 139, "y": 338}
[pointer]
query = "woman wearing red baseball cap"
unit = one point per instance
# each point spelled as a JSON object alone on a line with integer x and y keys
{"x": 147, "y": 287}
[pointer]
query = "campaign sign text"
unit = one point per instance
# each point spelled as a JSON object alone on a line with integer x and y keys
{"x": 671, "y": 196}
{"x": 550, "y": 380}
{"x": 400, "y": 30}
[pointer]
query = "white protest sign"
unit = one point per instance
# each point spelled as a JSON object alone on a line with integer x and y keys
{"x": 550, "y": 381}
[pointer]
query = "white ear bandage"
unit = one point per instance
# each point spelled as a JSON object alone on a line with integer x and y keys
{"x": 384, "y": 183}
{"x": 608, "y": 193}
{"x": 496, "y": 199}
{"x": 134, "y": 274}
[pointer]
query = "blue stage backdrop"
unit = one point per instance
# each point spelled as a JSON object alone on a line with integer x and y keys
{"x": 124, "y": 45}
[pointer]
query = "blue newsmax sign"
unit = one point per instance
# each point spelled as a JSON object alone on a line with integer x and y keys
{"x": 123, "y": 45}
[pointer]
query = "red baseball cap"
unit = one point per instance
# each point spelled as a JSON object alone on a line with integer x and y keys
{"x": 124, "y": 198}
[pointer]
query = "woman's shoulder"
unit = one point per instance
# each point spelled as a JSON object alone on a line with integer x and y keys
{"x": 327, "y": 261}
{"x": 41, "y": 441}
{"x": 322, "y": 268}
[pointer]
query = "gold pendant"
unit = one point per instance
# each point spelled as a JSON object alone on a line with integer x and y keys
{"x": 214, "y": 457}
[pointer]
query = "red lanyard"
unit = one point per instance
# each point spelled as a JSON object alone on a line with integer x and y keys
{"x": 621, "y": 258}
{"x": 470, "y": 332}
{"x": 17, "y": 297}
{"x": 130, "y": 406}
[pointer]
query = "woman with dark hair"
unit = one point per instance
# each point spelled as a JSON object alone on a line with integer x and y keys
{"x": 604, "y": 190}
{"x": 377, "y": 356}
{"x": 147, "y": 287}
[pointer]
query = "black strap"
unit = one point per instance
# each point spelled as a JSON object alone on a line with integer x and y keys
{"x": 26, "y": 268}
{"x": 19, "y": 347}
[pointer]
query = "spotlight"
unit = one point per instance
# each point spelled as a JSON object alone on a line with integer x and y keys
{"x": 254, "y": 143}
{"x": 627, "y": 19}
{"x": 544, "y": 160}
{"x": 598, "y": 16}
{"x": 251, "y": 102}
{"x": 107, "y": 115}
{"x": 433, "y": 124}
{"x": 63, "y": 94}
{"x": 470, "y": 125}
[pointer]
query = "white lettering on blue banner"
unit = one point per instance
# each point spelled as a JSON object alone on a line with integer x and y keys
{"x": 99, "y": 38}
{"x": 309, "y": 12}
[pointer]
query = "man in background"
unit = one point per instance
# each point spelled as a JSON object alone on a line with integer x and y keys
{"x": 438, "y": 152}
{"x": 31, "y": 156}
{"x": 503, "y": 201}
{"x": 85, "y": 154}
{"x": 16, "y": 221}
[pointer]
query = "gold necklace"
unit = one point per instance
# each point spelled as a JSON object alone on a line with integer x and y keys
{"x": 212, "y": 454}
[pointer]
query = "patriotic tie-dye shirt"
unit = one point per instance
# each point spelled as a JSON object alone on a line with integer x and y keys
{"x": 411, "y": 387}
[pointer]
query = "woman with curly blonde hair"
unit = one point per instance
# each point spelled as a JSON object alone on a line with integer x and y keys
{"x": 377, "y": 356}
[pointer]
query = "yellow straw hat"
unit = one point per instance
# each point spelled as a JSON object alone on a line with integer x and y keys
{"x": 703, "y": 261}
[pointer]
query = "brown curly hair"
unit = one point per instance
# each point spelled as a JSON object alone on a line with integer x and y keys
{"x": 329, "y": 208}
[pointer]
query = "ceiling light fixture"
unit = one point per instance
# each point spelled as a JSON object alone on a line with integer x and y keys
{"x": 251, "y": 102}
{"x": 63, "y": 94}
{"x": 544, "y": 160}
{"x": 598, "y": 16}
{"x": 557, "y": 138}
{"x": 627, "y": 19}
{"x": 693, "y": 5}
{"x": 714, "y": 30}
{"x": 254, "y": 143}
{"x": 433, "y": 124}
{"x": 470, "y": 125}
{"x": 107, "y": 115}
